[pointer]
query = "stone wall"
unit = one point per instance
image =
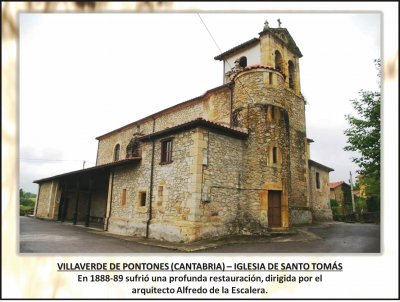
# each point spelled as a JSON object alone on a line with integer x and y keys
{"x": 214, "y": 106}
{"x": 255, "y": 100}
{"x": 222, "y": 168}
{"x": 319, "y": 198}
{"x": 46, "y": 200}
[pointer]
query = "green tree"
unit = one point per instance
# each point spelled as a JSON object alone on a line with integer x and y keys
{"x": 364, "y": 136}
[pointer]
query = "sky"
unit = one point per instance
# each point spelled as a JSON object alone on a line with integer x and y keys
{"x": 83, "y": 75}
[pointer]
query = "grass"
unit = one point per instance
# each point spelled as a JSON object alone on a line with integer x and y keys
{"x": 26, "y": 206}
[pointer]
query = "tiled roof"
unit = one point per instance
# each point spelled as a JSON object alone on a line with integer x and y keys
{"x": 321, "y": 166}
{"x": 255, "y": 66}
{"x": 199, "y": 122}
{"x": 236, "y": 48}
{"x": 91, "y": 169}
{"x": 333, "y": 185}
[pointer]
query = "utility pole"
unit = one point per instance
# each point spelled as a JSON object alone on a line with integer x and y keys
{"x": 352, "y": 195}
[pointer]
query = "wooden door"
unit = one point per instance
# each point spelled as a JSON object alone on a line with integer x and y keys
{"x": 274, "y": 209}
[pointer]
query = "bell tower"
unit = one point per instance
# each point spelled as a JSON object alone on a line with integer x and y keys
{"x": 267, "y": 101}
{"x": 274, "y": 49}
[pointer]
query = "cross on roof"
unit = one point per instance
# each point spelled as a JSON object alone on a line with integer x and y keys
{"x": 279, "y": 22}
{"x": 266, "y": 24}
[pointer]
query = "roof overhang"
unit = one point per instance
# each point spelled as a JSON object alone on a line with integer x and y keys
{"x": 92, "y": 170}
{"x": 195, "y": 124}
{"x": 246, "y": 44}
{"x": 318, "y": 165}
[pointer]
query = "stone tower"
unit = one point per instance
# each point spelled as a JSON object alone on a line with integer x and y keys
{"x": 267, "y": 100}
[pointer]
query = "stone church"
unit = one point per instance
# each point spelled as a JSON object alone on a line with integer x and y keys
{"x": 232, "y": 161}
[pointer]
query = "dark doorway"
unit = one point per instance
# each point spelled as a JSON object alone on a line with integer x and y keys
{"x": 274, "y": 209}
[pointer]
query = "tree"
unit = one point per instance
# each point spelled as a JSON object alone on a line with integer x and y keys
{"x": 364, "y": 136}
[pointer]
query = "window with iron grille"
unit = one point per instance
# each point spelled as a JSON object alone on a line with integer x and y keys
{"x": 166, "y": 151}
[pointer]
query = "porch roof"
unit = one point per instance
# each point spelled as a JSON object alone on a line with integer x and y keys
{"x": 107, "y": 166}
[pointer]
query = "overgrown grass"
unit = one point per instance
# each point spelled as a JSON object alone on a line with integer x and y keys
{"x": 26, "y": 206}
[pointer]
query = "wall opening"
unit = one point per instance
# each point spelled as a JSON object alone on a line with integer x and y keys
{"x": 116, "y": 152}
{"x": 274, "y": 155}
{"x": 166, "y": 151}
{"x": 243, "y": 61}
{"x": 270, "y": 77}
{"x": 133, "y": 148}
{"x": 142, "y": 199}
{"x": 278, "y": 60}
{"x": 317, "y": 180}
{"x": 291, "y": 74}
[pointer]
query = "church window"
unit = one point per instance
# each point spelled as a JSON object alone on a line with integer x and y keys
{"x": 274, "y": 155}
{"x": 116, "y": 152}
{"x": 243, "y": 62}
{"x": 278, "y": 60}
{"x": 317, "y": 180}
{"x": 166, "y": 151}
{"x": 291, "y": 74}
{"x": 142, "y": 198}
{"x": 235, "y": 118}
{"x": 270, "y": 77}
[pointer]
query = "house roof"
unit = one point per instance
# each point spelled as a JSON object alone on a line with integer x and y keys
{"x": 334, "y": 185}
{"x": 321, "y": 166}
{"x": 92, "y": 169}
{"x": 199, "y": 122}
{"x": 236, "y": 48}
{"x": 164, "y": 111}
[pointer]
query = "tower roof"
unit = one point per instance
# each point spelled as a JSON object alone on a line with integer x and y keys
{"x": 281, "y": 34}
{"x": 284, "y": 36}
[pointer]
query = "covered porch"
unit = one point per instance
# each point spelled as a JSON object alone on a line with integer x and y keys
{"x": 82, "y": 197}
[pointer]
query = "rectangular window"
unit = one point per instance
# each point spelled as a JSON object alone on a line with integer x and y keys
{"x": 270, "y": 77}
{"x": 274, "y": 155}
{"x": 142, "y": 199}
{"x": 166, "y": 151}
{"x": 317, "y": 182}
{"x": 273, "y": 113}
{"x": 123, "y": 197}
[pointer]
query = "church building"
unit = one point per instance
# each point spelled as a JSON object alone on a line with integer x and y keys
{"x": 234, "y": 160}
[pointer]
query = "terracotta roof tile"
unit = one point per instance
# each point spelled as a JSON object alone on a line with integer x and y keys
{"x": 333, "y": 185}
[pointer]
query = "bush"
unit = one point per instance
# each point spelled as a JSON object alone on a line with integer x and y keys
{"x": 373, "y": 204}
{"x": 26, "y": 206}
